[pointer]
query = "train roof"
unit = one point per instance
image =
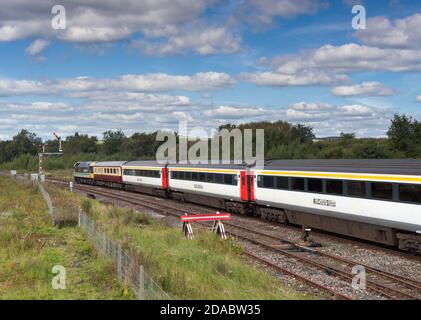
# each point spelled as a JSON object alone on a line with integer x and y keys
{"x": 108, "y": 163}
{"x": 145, "y": 163}
{"x": 374, "y": 166}
{"x": 209, "y": 166}
{"x": 83, "y": 164}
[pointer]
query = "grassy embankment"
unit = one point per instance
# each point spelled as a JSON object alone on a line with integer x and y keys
{"x": 206, "y": 268}
{"x": 30, "y": 246}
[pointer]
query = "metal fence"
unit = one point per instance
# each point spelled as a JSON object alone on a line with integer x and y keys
{"x": 47, "y": 199}
{"x": 129, "y": 270}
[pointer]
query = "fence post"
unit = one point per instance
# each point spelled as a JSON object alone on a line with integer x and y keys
{"x": 53, "y": 215}
{"x": 119, "y": 263}
{"x": 141, "y": 283}
{"x": 104, "y": 243}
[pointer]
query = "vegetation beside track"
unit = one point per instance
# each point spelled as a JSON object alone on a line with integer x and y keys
{"x": 30, "y": 246}
{"x": 205, "y": 268}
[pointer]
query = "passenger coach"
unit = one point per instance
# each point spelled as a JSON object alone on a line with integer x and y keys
{"x": 213, "y": 185}
{"x": 377, "y": 200}
{"x": 145, "y": 177}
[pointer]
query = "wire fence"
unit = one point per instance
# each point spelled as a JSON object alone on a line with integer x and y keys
{"x": 47, "y": 199}
{"x": 130, "y": 271}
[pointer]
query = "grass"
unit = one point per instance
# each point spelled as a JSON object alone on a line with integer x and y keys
{"x": 30, "y": 247}
{"x": 205, "y": 268}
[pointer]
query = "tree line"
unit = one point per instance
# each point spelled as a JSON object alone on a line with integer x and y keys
{"x": 282, "y": 141}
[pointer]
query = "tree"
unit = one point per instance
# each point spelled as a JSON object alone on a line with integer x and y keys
{"x": 80, "y": 143}
{"x": 141, "y": 145}
{"x": 403, "y": 134}
{"x": 113, "y": 141}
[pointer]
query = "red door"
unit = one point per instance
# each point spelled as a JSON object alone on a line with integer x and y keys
{"x": 165, "y": 183}
{"x": 243, "y": 183}
{"x": 251, "y": 186}
{"x": 247, "y": 186}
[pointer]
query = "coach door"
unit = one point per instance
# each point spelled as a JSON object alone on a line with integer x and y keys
{"x": 165, "y": 183}
{"x": 247, "y": 186}
{"x": 250, "y": 185}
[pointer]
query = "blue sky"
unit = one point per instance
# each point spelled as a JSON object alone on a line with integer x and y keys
{"x": 145, "y": 65}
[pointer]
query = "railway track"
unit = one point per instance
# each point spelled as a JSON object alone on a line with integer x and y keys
{"x": 379, "y": 282}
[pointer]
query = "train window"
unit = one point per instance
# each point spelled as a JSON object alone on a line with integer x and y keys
{"x": 410, "y": 193}
{"x": 187, "y": 176}
{"x": 356, "y": 188}
{"x": 230, "y": 179}
{"x": 334, "y": 187}
{"x": 282, "y": 183}
{"x": 219, "y": 178}
{"x": 297, "y": 184}
{"x": 195, "y": 176}
{"x": 380, "y": 190}
{"x": 209, "y": 178}
{"x": 315, "y": 185}
{"x": 202, "y": 176}
{"x": 268, "y": 182}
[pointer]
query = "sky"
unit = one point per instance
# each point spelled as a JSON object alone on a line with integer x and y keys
{"x": 145, "y": 65}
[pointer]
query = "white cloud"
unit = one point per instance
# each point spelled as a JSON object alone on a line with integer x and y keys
{"x": 418, "y": 99}
{"x": 103, "y": 16}
{"x": 264, "y": 11}
{"x": 231, "y": 112}
{"x": 173, "y": 26}
{"x": 364, "y": 89}
{"x": 159, "y": 82}
{"x": 401, "y": 33}
{"x": 39, "y": 106}
{"x": 37, "y": 47}
{"x": 331, "y": 65}
{"x": 205, "y": 41}
{"x": 330, "y": 120}
{"x": 299, "y": 79}
{"x": 347, "y": 58}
